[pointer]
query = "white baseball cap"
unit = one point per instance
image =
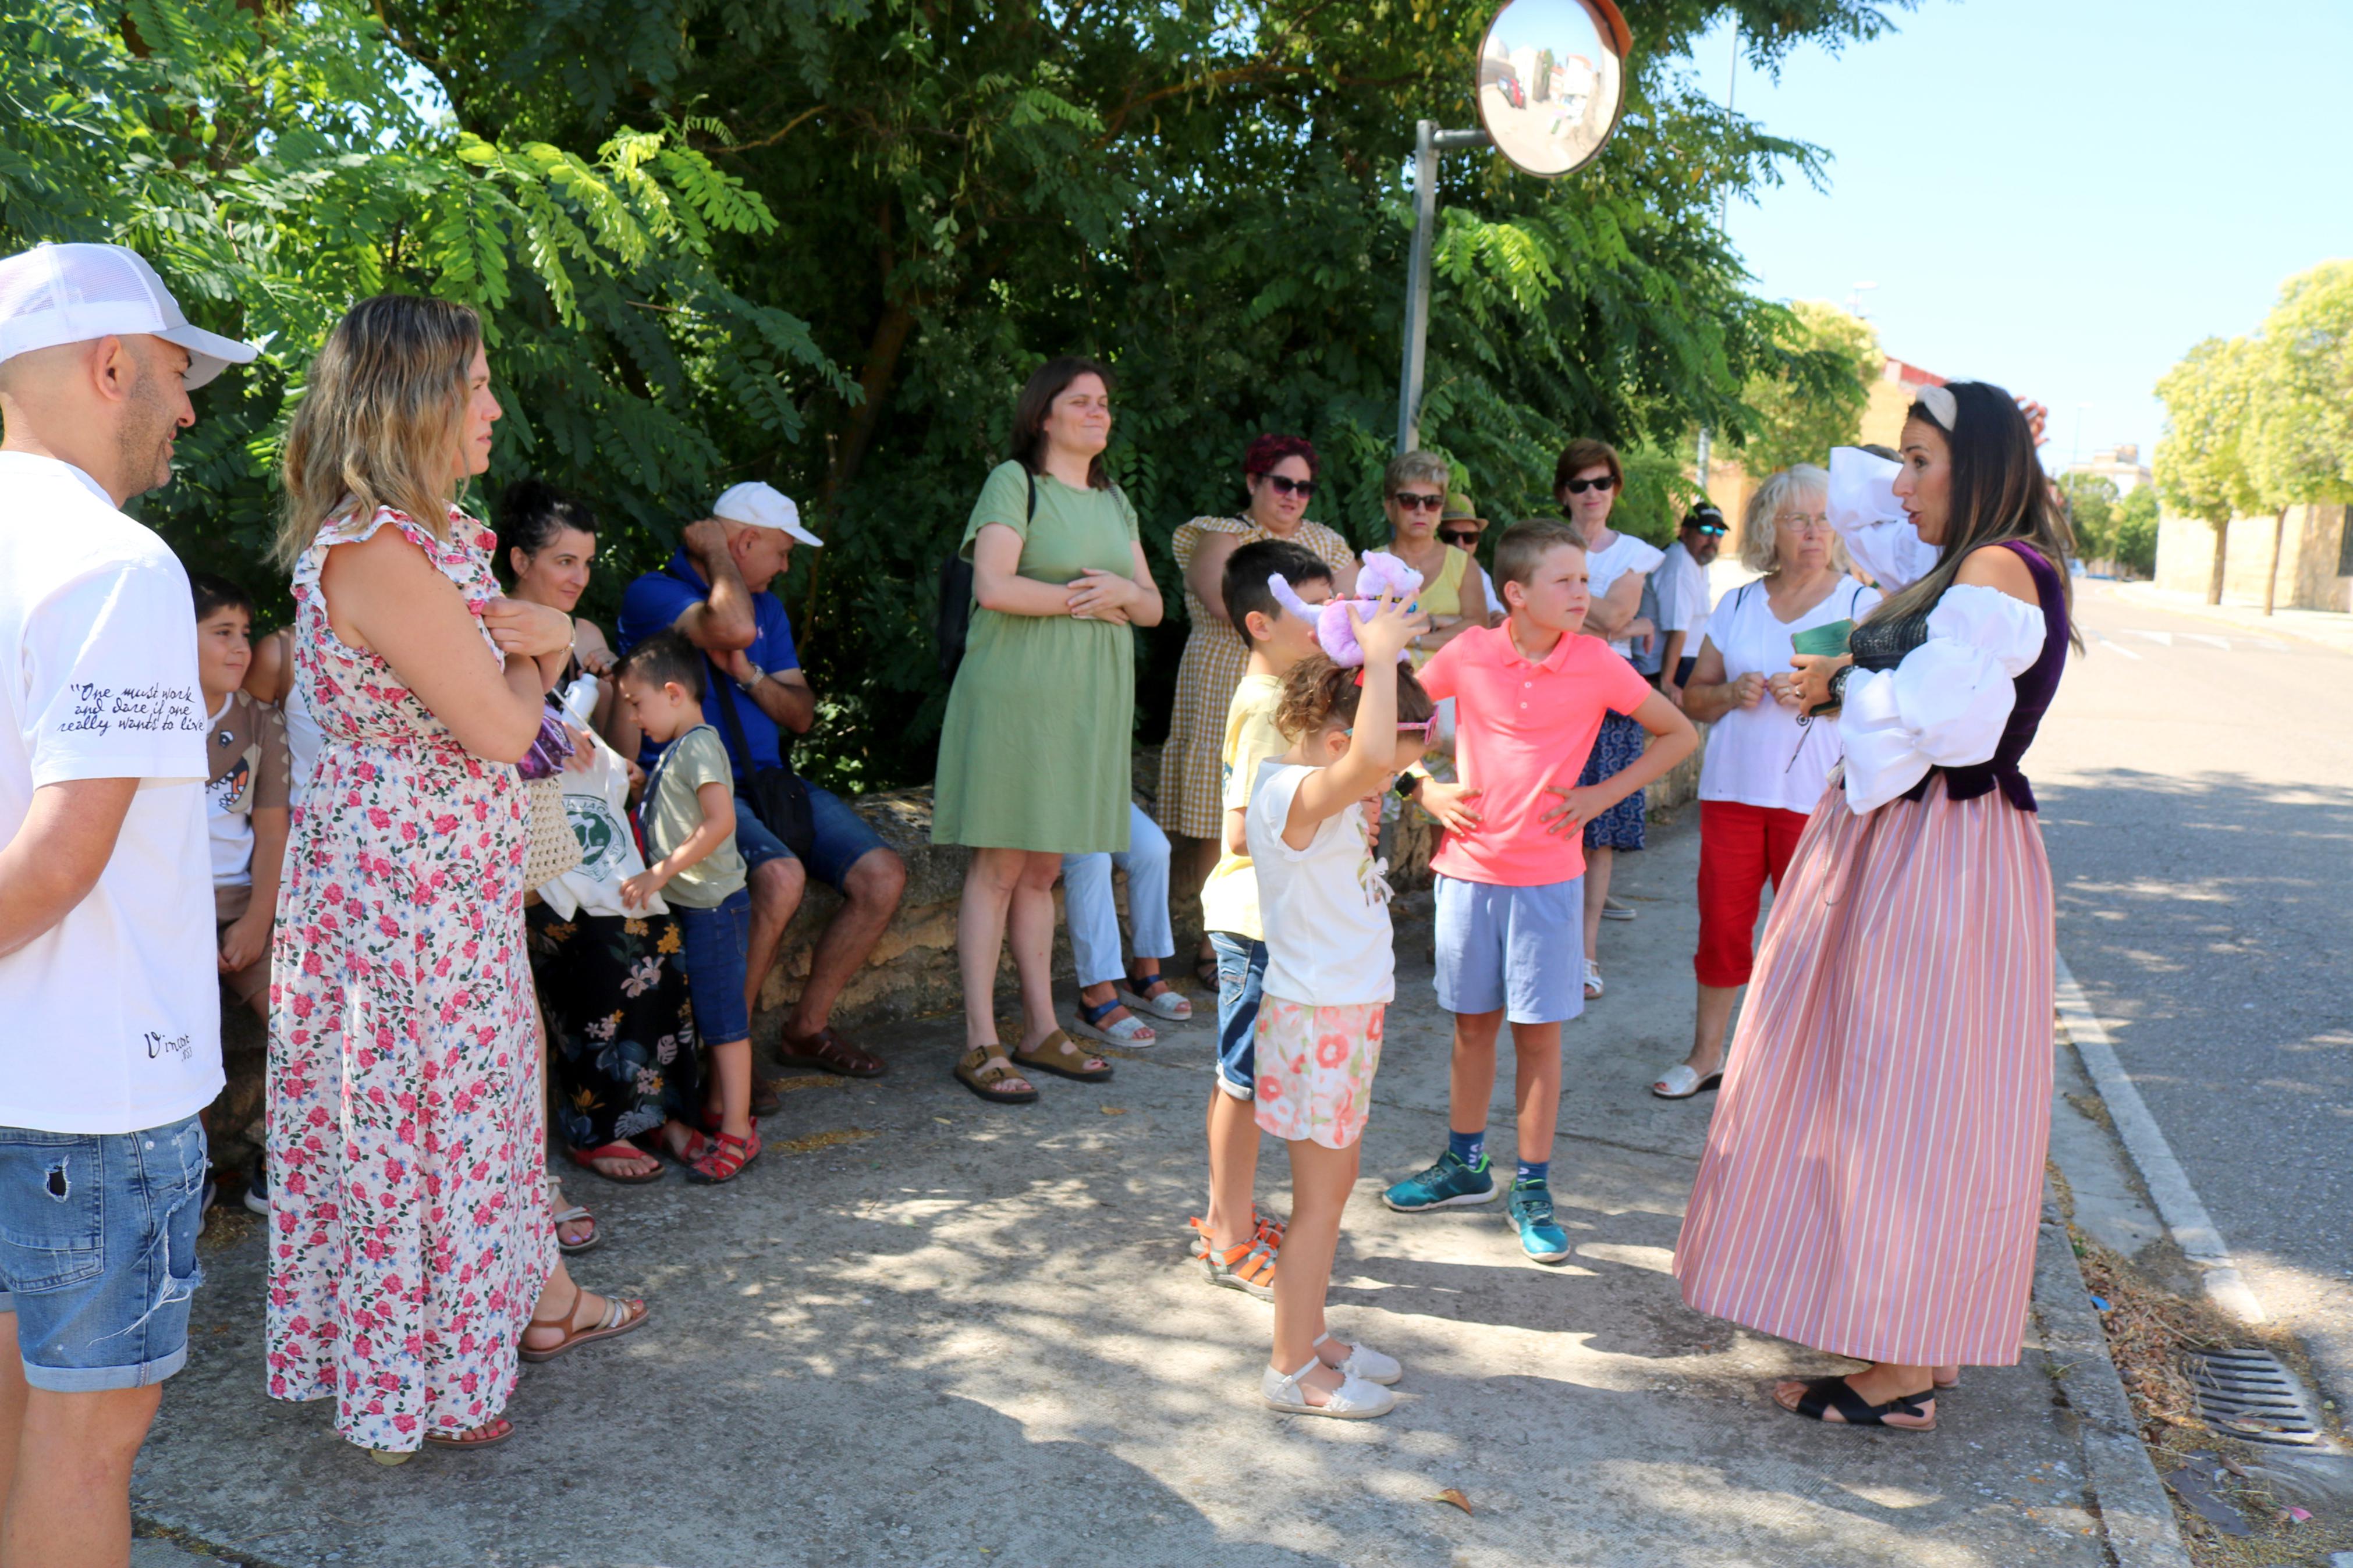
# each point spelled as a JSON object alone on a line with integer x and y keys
{"x": 756, "y": 505}
{"x": 56, "y": 294}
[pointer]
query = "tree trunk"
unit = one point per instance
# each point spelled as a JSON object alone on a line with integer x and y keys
{"x": 2222, "y": 544}
{"x": 2279, "y": 541}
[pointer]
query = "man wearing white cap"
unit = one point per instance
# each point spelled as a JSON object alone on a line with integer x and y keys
{"x": 714, "y": 592}
{"x": 107, "y": 975}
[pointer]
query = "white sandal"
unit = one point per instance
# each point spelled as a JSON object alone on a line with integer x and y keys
{"x": 1681, "y": 1081}
{"x": 1168, "y": 1004}
{"x": 1365, "y": 1361}
{"x": 574, "y": 1216}
{"x": 1131, "y": 1032}
{"x": 1592, "y": 981}
{"x": 1354, "y": 1400}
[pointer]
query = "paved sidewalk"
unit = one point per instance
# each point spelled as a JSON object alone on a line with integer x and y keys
{"x": 960, "y": 1334}
{"x": 2327, "y": 628}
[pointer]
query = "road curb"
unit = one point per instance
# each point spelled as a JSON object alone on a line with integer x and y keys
{"x": 2136, "y": 1513}
{"x": 2146, "y": 596}
{"x": 2177, "y": 1203}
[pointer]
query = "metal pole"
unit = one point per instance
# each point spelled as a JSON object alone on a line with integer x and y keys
{"x": 1416, "y": 285}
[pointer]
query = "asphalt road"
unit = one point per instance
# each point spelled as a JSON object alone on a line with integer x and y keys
{"x": 2197, "y": 792}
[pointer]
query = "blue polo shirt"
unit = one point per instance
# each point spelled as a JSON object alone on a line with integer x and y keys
{"x": 654, "y": 603}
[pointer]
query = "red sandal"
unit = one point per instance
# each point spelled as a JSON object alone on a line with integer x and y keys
{"x": 729, "y": 1158}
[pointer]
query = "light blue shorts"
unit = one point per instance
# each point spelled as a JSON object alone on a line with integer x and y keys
{"x": 98, "y": 1252}
{"x": 1516, "y": 951}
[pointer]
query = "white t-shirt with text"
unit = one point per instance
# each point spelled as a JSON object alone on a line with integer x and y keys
{"x": 1326, "y": 908}
{"x": 113, "y": 1013}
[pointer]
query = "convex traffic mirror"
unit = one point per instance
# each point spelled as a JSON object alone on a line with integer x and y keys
{"x": 1552, "y": 81}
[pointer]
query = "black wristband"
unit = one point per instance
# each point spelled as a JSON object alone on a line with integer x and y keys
{"x": 1407, "y": 783}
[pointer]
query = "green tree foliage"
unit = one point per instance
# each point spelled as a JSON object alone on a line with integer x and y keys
{"x": 1211, "y": 195}
{"x": 1801, "y": 413}
{"x": 2201, "y": 467}
{"x": 266, "y": 160}
{"x": 2091, "y": 510}
{"x": 681, "y": 214}
{"x": 2299, "y": 440}
{"x": 2132, "y": 535}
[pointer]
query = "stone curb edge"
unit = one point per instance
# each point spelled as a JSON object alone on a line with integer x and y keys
{"x": 2136, "y": 1511}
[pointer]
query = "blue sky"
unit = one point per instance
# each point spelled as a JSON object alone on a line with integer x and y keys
{"x": 2060, "y": 195}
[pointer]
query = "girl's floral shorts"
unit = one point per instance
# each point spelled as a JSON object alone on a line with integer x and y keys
{"x": 1316, "y": 1068}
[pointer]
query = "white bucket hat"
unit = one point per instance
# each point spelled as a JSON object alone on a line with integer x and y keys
{"x": 757, "y": 505}
{"x": 55, "y": 294}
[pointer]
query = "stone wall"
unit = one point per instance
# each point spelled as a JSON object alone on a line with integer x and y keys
{"x": 913, "y": 970}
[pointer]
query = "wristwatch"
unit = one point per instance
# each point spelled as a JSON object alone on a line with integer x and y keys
{"x": 1406, "y": 785}
{"x": 747, "y": 683}
{"x": 1838, "y": 686}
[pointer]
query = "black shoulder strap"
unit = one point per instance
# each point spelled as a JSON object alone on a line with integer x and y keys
{"x": 1030, "y": 480}
{"x": 730, "y": 723}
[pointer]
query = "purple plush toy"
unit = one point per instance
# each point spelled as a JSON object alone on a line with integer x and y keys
{"x": 1382, "y": 573}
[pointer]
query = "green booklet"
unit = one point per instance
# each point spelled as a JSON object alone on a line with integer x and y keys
{"x": 1823, "y": 642}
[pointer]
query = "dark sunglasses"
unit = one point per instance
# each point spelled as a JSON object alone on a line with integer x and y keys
{"x": 1286, "y": 486}
{"x": 1413, "y": 500}
{"x": 1465, "y": 537}
{"x": 1578, "y": 487}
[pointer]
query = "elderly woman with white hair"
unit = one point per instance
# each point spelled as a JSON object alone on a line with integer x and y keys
{"x": 1767, "y": 763}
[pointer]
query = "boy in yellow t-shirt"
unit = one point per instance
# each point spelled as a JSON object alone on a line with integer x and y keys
{"x": 1238, "y": 1248}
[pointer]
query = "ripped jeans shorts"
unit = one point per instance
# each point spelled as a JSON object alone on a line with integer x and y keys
{"x": 98, "y": 1252}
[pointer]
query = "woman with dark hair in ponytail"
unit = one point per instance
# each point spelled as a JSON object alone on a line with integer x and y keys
{"x": 1874, "y": 1176}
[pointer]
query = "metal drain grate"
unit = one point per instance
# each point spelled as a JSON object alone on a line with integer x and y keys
{"x": 2248, "y": 1395}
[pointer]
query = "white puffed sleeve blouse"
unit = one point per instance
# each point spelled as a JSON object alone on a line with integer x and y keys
{"x": 1946, "y": 704}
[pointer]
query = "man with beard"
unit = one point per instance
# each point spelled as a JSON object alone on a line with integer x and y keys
{"x": 1684, "y": 600}
{"x": 107, "y": 978}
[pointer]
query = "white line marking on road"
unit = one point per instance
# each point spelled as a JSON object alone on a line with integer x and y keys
{"x": 2164, "y": 638}
{"x": 2223, "y": 643}
{"x": 2176, "y": 1201}
{"x": 2119, "y": 647}
{"x": 2269, "y": 645}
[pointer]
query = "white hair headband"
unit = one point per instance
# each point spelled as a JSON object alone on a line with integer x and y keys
{"x": 1938, "y": 401}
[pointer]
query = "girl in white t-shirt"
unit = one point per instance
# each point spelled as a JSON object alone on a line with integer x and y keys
{"x": 1314, "y": 819}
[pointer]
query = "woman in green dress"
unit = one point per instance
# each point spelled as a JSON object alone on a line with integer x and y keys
{"x": 1034, "y": 749}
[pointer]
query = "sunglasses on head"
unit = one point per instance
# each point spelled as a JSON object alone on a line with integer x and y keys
{"x": 1578, "y": 487}
{"x": 1414, "y": 500}
{"x": 1284, "y": 485}
{"x": 1465, "y": 537}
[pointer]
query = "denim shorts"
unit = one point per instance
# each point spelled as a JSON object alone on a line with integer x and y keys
{"x": 716, "y": 946}
{"x": 843, "y": 839}
{"x": 1519, "y": 951}
{"x": 1241, "y": 975}
{"x": 98, "y": 1252}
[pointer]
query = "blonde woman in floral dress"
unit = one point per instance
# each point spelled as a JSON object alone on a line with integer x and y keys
{"x": 1279, "y": 472}
{"x": 410, "y": 1250}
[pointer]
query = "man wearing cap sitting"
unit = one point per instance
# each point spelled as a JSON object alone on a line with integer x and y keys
{"x": 714, "y": 592}
{"x": 109, "y": 979}
{"x": 1683, "y": 598}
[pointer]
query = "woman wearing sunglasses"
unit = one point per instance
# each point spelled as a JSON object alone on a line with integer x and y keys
{"x": 1587, "y": 482}
{"x": 1279, "y": 476}
{"x": 1413, "y": 494}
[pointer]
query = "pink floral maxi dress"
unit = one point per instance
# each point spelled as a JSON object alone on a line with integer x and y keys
{"x": 409, "y": 1235}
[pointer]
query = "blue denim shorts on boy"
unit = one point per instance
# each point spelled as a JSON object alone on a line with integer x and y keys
{"x": 1520, "y": 950}
{"x": 716, "y": 946}
{"x": 98, "y": 1252}
{"x": 843, "y": 838}
{"x": 1242, "y": 973}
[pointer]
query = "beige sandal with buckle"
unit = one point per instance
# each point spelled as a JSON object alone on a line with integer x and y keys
{"x": 1057, "y": 1055}
{"x": 983, "y": 1069}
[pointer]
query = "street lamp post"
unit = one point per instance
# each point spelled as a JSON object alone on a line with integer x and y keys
{"x": 1429, "y": 141}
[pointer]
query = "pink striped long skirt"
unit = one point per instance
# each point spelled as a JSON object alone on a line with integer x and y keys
{"x": 1874, "y": 1173}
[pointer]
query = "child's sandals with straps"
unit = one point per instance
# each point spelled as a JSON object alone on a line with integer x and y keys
{"x": 1249, "y": 1268}
{"x": 1354, "y": 1400}
{"x": 729, "y": 1158}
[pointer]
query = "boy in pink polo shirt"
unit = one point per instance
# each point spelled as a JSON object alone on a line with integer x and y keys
{"x": 1511, "y": 872}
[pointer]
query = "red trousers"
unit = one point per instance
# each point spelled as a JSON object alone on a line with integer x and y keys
{"x": 1740, "y": 848}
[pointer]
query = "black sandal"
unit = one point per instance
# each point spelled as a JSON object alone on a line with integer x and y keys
{"x": 1827, "y": 1394}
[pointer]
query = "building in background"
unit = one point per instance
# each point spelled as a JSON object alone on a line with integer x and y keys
{"x": 2119, "y": 465}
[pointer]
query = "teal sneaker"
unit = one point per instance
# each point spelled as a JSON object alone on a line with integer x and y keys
{"x": 1447, "y": 1184}
{"x": 1530, "y": 1211}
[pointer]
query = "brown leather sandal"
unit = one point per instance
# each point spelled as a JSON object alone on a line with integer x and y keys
{"x": 828, "y": 1052}
{"x": 982, "y": 1068}
{"x": 1055, "y": 1054}
{"x": 619, "y": 1317}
